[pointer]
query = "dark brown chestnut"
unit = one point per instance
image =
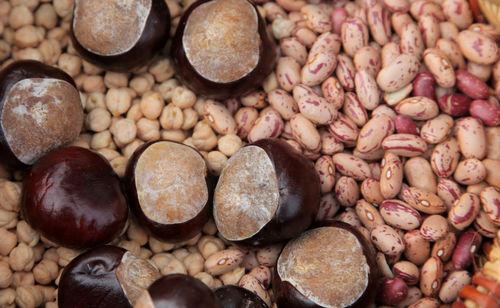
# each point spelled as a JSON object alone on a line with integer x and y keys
{"x": 74, "y": 198}
{"x": 120, "y": 35}
{"x": 267, "y": 192}
{"x": 169, "y": 189}
{"x": 106, "y": 276}
{"x": 179, "y": 291}
{"x": 222, "y": 48}
{"x": 332, "y": 265}
{"x": 40, "y": 110}
{"x": 231, "y": 296}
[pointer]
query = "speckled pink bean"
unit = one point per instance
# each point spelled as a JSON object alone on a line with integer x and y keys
{"x": 398, "y": 73}
{"x": 316, "y": 18}
{"x": 464, "y": 211}
{"x": 387, "y": 240}
{"x": 352, "y": 166}
{"x": 454, "y": 104}
{"x": 344, "y": 129}
{"x": 430, "y": 30}
{"x": 443, "y": 248}
{"x": 354, "y": 34}
{"x": 370, "y": 189}
{"x": 487, "y": 111}
{"x": 423, "y": 201}
{"x": 245, "y": 118}
{"x": 444, "y": 158}
{"x": 338, "y": 16}
{"x": 346, "y": 191}
{"x": 367, "y": 58}
{"x": 431, "y": 277}
{"x": 373, "y": 133}
{"x": 482, "y": 71}
{"x": 314, "y": 107}
{"x": 451, "y": 50}
{"x": 283, "y": 102}
{"x": 418, "y": 173}
{"x": 328, "y": 207}
{"x": 421, "y": 8}
{"x": 317, "y": 69}
{"x": 291, "y": 5}
{"x": 399, "y": 20}
{"x": 366, "y": 89}
{"x": 414, "y": 294}
{"x": 379, "y": 23}
{"x": 305, "y": 133}
{"x": 268, "y": 125}
{"x": 471, "y": 137}
{"x": 417, "y": 248}
{"x": 449, "y": 191}
{"x": 391, "y": 176}
{"x": 485, "y": 226}
{"x": 326, "y": 171}
{"x": 406, "y": 145}
{"x": 471, "y": 85}
{"x": 219, "y": 117}
{"x": 424, "y": 85}
{"x": 440, "y": 67}
{"x": 399, "y": 214}
{"x": 412, "y": 41}
{"x": 437, "y": 129}
{"x": 448, "y": 30}
{"x": 397, "y": 5}
{"x": 368, "y": 215}
{"x": 434, "y": 227}
{"x": 470, "y": 171}
{"x": 305, "y": 35}
{"x": 477, "y": 47}
{"x": 490, "y": 200}
{"x": 292, "y": 47}
{"x": 389, "y": 52}
{"x": 345, "y": 72}
{"x": 405, "y": 125}
{"x": 453, "y": 284}
{"x": 329, "y": 144}
{"x": 288, "y": 73}
{"x": 333, "y": 92}
{"x": 418, "y": 108}
{"x": 458, "y": 12}
{"x": 328, "y": 43}
{"x": 354, "y": 110}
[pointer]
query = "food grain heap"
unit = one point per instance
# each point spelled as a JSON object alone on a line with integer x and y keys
{"x": 229, "y": 153}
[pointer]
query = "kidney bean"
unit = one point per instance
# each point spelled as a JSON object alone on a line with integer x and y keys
{"x": 370, "y": 189}
{"x": 437, "y": 129}
{"x": 383, "y": 110}
{"x": 346, "y": 191}
{"x": 398, "y": 73}
{"x": 493, "y": 142}
{"x": 337, "y": 17}
{"x": 344, "y": 129}
{"x": 429, "y": 26}
{"x": 414, "y": 294}
{"x": 351, "y": 166}
{"x": 423, "y": 201}
{"x": 418, "y": 173}
{"x": 467, "y": 246}
{"x": 448, "y": 191}
{"x": 440, "y": 67}
{"x": 366, "y": 89}
{"x": 418, "y": 108}
{"x": 318, "y": 68}
{"x": 373, "y": 133}
{"x": 492, "y": 175}
{"x": 477, "y": 47}
{"x": 345, "y": 71}
{"x": 476, "y": 188}
{"x": 484, "y": 225}
{"x": 392, "y": 291}
{"x": 393, "y": 98}
{"x": 421, "y": 8}
{"x": 398, "y": 21}
{"x": 316, "y": 18}
{"x": 219, "y": 117}
{"x": 448, "y": 30}
{"x": 333, "y": 92}
{"x": 283, "y": 102}
{"x": 423, "y": 85}
{"x": 490, "y": 200}
{"x": 305, "y": 133}
{"x": 471, "y": 85}
{"x": 412, "y": 41}
{"x": 406, "y": 145}
{"x": 245, "y": 118}
{"x": 454, "y": 104}
{"x": 391, "y": 177}
{"x": 443, "y": 248}
{"x": 382, "y": 263}
{"x": 485, "y": 29}
{"x": 327, "y": 43}
{"x": 399, "y": 214}
{"x": 451, "y": 50}
{"x": 377, "y": 17}
{"x": 326, "y": 171}
{"x": 305, "y": 35}
{"x": 407, "y": 271}
{"x": 458, "y": 12}
{"x": 292, "y": 47}
{"x": 371, "y": 156}
{"x": 389, "y": 53}
{"x": 481, "y": 71}
{"x": 354, "y": 34}
{"x": 312, "y": 106}
{"x": 397, "y": 5}
{"x": 405, "y": 125}
{"x": 471, "y": 137}
{"x": 329, "y": 145}
{"x": 488, "y": 112}
{"x": 470, "y": 171}
{"x": 434, "y": 227}
{"x": 453, "y": 284}
{"x": 288, "y": 73}
{"x": 291, "y": 5}
{"x": 223, "y": 261}
{"x": 367, "y": 58}
{"x": 444, "y": 158}
{"x": 417, "y": 249}
{"x": 253, "y": 284}
{"x": 268, "y": 125}
{"x": 354, "y": 110}
{"x": 387, "y": 240}
{"x": 425, "y": 302}
{"x": 431, "y": 276}
{"x": 368, "y": 214}
{"x": 349, "y": 217}
{"x": 328, "y": 207}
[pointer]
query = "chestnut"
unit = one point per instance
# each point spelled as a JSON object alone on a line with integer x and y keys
{"x": 267, "y": 192}
{"x": 119, "y": 35}
{"x": 180, "y": 291}
{"x": 40, "y": 110}
{"x": 169, "y": 189}
{"x": 106, "y": 276}
{"x": 332, "y": 265}
{"x": 74, "y": 198}
{"x": 231, "y": 296}
{"x": 222, "y": 48}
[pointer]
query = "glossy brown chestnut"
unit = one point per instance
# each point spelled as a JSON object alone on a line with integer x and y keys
{"x": 120, "y": 35}
{"x": 180, "y": 291}
{"x": 74, "y": 198}
{"x": 267, "y": 192}
{"x": 331, "y": 265}
{"x": 169, "y": 189}
{"x": 231, "y": 296}
{"x": 40, "y": 110}
{"x": 222, "y": 48}
{"x": 106, "y": 276}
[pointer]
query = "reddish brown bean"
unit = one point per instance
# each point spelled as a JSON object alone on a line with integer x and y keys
{"x": 486, "y": 111}
{"x": 471, "y": 85}
{"x": 423, "y": 85}
{"x": 467, "y": 246}
{"x": 399, "y": 214}
{"x": 454, "y": 104}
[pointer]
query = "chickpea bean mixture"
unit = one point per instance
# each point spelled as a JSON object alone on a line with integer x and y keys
{"x": 396, "y": 103}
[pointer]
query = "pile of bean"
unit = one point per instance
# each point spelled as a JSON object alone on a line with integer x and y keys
{"x": 395, "y": 102}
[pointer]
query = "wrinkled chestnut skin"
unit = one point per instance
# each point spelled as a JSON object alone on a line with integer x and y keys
{"x": 231, "y": 296}
{"x": 183, "y": 291}
{"x": 268, "y": 56}
{"x": 74, "y": 198}
{"x": 287, "y": 296}
{"x": 90, "y": 280}
{"x": 152, "y": 40}
{"x": 299, "y": 194}
{"x": 166, "y": 232}
{"x": 9, "y": 76}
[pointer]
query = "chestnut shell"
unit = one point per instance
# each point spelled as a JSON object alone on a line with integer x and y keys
{"x": 231, "y": 296}
{"x": 9, "y": 76}
{"x": 90, "y": 280}
{"x": 183, "y": 291}
{"x": 167, "y": 232}
{"x": 287, "y": 296}
{"x": 74, "y": 198}
{"x": 152, "y": 40}
{"x": 268, "y": 56}
{"x": 299, "y": 194}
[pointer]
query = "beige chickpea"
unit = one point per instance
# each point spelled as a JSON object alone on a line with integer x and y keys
{"x": 229, "y": 144}
{"x": 5, "y": 275}
{"x": 8, "y": 219}
{"x": 95, "y": 100}
{"x": 27, "y": 36}
{"x": 7, "y": 297}
{"x": 94, "y": 83}
{"x": 204, "y": 138}
{"x": 119, "y": 165}
{"x": 115, "y": 80}
{"x": 50, "y": 50}
{"x": 158, "y": 246}
{"x": 131, "y": 246}
{"x": 5, "y": 50}
{"x": 101, "y": 140}
{"x": 124, "y": 131}
{"x": 148, "y": 130}
{"x": 46, "y": 16}
{"x": 206, "y": 278}
{"x": 210, "y": 227}
{"x": 183, "y": 97}
{"x": 171, "y": 117}
{"x": 21, "y": 258}
{"x": 8, "y": 242}
{"x": 98, "y": 119}
{"x": 137, "y": 234}
{"x": 194, "y": 263}
{"x": 130, "y": 148}
{"x": 66, "y": 255}
{"x": 208, "y": 245}
{"x": 134, "y": 113}
{"x": 145, "y": 253}
{"x": 10, "y": 195}
{"x": 90, "y": 68}
{"x": 190, "y": 118}
{"x": 20, "y": 16}
{"x": 168, "y": 264}
{"x": 28, "y": 54}
{"x": 181, "y": 253}
{"x": 60, "y": 35}
{"x": 22, "y": 279}
{"x": 26, "y": 234}
{"x": 177, "y": 135}
{"x": 71, "y": 64}
{"x": 216, "y": 161}
{"x": 29, "y": 296}
{"x": 50, "y": 254}
{"x": 118, "y": 101}
{"x": 162, "y": 69}
{"x": 140, "y": 84}
{"x": 166, "y": 89}
{"x": 151, "y": 105}
{"x": 46, "y": 271}
{"x": 63, "y": 8}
